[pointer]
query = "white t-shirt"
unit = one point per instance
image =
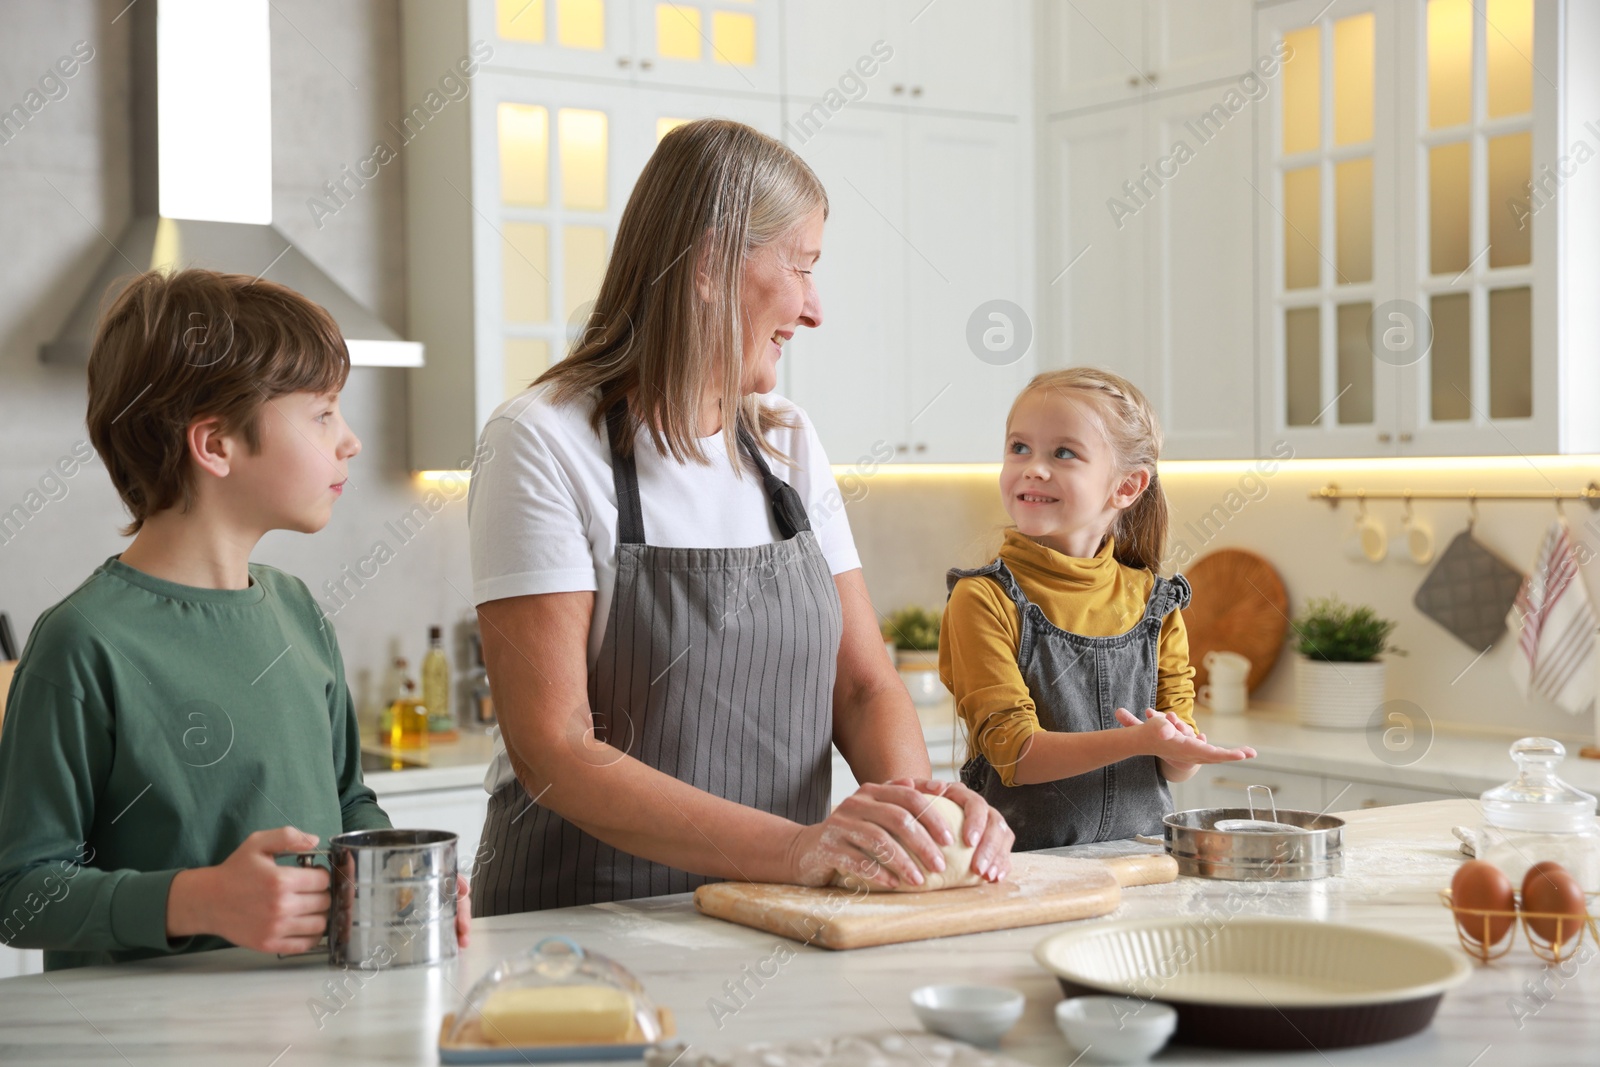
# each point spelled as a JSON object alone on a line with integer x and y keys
{"x": 542, "y": 506}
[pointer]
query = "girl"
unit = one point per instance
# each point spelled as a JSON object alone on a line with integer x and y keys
{"x": 1048, "y": 647}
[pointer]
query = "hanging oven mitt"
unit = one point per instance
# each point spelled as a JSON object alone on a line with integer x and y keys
{"x": 1469, "y": 591}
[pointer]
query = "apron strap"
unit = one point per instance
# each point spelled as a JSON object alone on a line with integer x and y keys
{"x": 787, "y": 507}
{"x": 625, "y": 475}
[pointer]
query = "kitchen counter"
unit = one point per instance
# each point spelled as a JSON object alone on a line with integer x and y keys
{"x": 239, "y": 1007}
{"x": 447, "y": 765}
{"x": 1457, "y": 760}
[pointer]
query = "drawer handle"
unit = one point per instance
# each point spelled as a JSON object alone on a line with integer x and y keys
{"x": 1230, "y": 783}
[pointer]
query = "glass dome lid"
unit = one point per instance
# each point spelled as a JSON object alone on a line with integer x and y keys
{"x": 1536, "y": 799}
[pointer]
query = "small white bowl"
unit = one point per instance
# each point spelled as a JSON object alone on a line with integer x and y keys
{"x": 979, "y": 1014}
{"x": 1115, "y": 1029}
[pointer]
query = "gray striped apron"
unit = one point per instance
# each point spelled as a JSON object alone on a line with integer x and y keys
{"x": 1077, "y": 684}
{"x": 717, "y": 667}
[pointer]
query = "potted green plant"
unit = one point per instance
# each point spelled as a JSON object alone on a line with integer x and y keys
{"x": 1339, "y": 672}
{"x": 913, "y": 633}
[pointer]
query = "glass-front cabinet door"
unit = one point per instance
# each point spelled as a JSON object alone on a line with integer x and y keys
{"x": 1408, "y": 275}
{"x": 1328, "y": 232}
{"x": 566, "y": 156}
{"x": 549, "y": 212}
{"x": 1480, "y": 260}
{"x": 729, "y": 45}
{"x": 593, "y": 37}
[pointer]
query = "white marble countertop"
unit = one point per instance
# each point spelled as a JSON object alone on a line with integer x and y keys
{"x": 239, "y": 1007}
{"x": 1455, "y": 761}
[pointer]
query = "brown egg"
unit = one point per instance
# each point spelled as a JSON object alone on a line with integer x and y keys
{"x": 1548, "y": 887}
{"x": 1481, "y": 885}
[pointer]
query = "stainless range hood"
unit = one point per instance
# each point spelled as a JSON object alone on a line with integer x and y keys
{"x": 202, "y": 174}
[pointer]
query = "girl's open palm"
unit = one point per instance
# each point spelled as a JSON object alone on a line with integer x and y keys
{"x": 1168, "y": 737}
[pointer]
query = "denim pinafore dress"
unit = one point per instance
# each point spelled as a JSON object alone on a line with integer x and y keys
{"x": 1077, "y": 684}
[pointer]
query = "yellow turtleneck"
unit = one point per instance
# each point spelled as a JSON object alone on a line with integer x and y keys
{"x": 1094, "y": 596}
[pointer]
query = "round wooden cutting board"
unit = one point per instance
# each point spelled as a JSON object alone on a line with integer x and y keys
{"x": 1239, "y": 605}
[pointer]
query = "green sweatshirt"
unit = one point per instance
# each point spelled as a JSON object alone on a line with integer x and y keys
{"x": 151, "y": 727}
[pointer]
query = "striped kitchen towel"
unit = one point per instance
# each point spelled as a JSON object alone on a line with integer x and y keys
{"x": 1555, "y": 649}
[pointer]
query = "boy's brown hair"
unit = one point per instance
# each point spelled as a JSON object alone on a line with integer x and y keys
{"x": 176, "y": 347}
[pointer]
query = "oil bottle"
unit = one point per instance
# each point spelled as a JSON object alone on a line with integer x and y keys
{"x": 408, "y": 716}
{"x": 436, "y": 685}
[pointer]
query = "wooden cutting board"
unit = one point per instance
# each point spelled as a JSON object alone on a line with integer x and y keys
{"x": 1040, "y": 889}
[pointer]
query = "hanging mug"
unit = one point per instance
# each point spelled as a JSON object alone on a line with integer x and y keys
{"x": 1366, "y": 542}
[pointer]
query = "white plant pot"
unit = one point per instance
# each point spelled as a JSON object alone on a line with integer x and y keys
{"x": 1337, "y": 696}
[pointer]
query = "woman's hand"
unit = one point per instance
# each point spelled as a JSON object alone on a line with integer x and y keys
{"x": 873, "y": 834}
{"x": 985, "y": 828}
{"x": 463, "y": 910}
{"x": 1172, "y": 740}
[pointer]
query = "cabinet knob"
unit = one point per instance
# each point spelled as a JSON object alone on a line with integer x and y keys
{"x": 922, "y": 447}
{"x": 916, "y": 90}
{"x": 1405, "y": 437}
{"x": 624, "y": 62}
{"x": 1372, "y": 802}
{"x": 1150, "y": 77}
{"x": 901, "y": 448}
{"x": 645, "y": 64}
{"x": 1383, "y": 438}
{"x": 898, "y": 90}
{"x": 1133, "y": 81}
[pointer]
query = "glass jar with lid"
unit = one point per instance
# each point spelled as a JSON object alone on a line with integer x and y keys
{"x": 1537, "y": 817}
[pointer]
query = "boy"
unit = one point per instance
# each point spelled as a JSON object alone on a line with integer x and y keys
{"x": 182, "y": 715}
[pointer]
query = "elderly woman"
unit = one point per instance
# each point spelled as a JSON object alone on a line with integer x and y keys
{"x": 673, "y": 640}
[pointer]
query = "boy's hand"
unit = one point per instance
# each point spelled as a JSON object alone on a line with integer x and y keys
{"x": 252, "y": 901}
{"x": 463, "y": 910}
{"x": 1169, "y": 738}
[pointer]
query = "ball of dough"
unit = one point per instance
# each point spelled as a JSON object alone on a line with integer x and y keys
{"x": 957, "y": 859}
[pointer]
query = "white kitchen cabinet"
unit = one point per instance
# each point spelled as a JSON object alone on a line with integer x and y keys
{"x": 1227, "y": 786}
{"x": 1394, "y": 166}
{"x": 927, "y": 213}
{"x": 1092, "y": 270}
{"x": 1148, "y": 209}
{"x": 721, "y": 45}
{"x": 1098, "y": 52}
{"x": 965, "y": 55}
{"x": 965, "y": 223}
{"x": 825, "y": 40}
{"x": 953, "y": 56}
{"x": 848, "y": 374}
{"x": 458, "y": 811}
{"x": 1221, "y": 786}
{"x": 726, "y": 46}
{"x": 1361, "y": 795}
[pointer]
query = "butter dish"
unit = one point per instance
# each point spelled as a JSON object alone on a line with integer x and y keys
{"x": 557, "y": 1003}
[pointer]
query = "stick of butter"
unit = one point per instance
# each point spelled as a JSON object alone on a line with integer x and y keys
{"x": 566, "y": 1014}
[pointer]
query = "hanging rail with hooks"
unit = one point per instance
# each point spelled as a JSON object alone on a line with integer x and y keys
{"x": 1589, "y": 494}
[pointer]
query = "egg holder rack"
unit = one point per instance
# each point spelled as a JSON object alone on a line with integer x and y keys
{"x": 1558, "y": 950}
